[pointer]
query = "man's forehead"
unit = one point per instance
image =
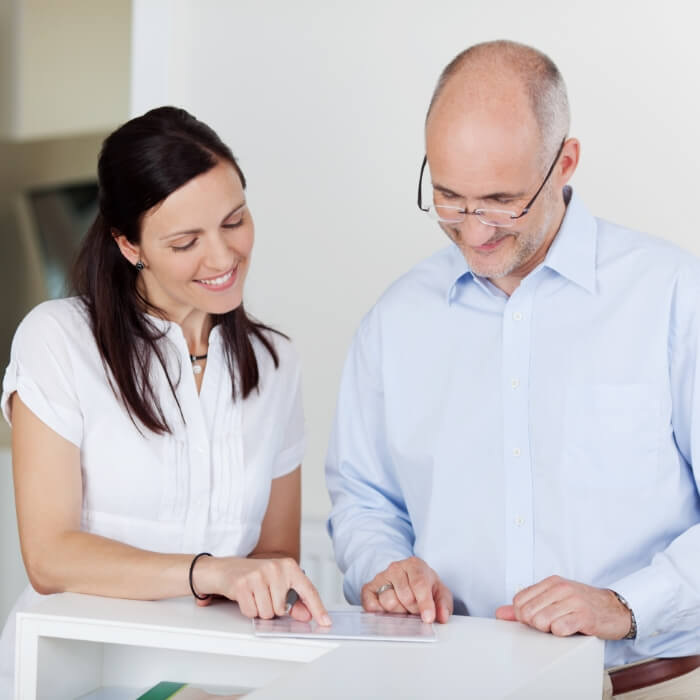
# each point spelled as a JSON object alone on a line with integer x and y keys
{"x": 484, "y": 146}
{"x": 482, "y": 138}
{"x": 481, "y": 163}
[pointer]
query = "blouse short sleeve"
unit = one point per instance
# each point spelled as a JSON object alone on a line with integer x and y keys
{"x": 293, "y": 443}
{"x": 41, "y": 369}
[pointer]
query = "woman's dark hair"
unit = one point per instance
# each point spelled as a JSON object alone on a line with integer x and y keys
{"x": 140, "y": 164}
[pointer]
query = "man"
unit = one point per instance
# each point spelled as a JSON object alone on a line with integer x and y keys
{"x": 518, "y": 415}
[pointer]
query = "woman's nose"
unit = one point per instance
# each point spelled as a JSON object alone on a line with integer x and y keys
{"x": 219, "y": 254}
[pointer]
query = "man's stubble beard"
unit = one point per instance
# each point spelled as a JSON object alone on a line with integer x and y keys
{"x": 521, "y": 252}
{"x": 525, "y": 248}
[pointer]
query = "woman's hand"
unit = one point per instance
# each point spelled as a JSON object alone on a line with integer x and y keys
{"x": 260, "y": 587}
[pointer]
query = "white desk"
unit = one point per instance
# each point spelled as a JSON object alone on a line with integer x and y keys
{"x": 70, "y": 644}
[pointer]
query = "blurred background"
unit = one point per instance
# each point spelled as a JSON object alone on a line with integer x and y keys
{"x": 323, "y": 103}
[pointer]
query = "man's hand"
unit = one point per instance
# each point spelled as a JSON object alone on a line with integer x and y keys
{"x": 410, "y": 586}
{"x": 565, "y": 607}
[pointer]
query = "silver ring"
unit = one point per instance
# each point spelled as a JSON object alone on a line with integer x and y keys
{"x": 384, "y": 587}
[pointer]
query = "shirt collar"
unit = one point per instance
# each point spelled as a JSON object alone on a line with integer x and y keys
{"x": 571, "y": 255}
{"x": 573, "y": 251}
{"x": 458, "y": 269}
{"x": 168, "y": 328}
{"x": 158, "y": 322}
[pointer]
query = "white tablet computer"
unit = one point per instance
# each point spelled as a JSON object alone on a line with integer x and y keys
{"x": 351, "y": 624}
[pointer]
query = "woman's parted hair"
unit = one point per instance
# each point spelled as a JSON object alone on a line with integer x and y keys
{"x": 140, "y": 164}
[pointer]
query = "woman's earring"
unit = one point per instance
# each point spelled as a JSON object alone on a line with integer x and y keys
{"x": 139, "y": 266}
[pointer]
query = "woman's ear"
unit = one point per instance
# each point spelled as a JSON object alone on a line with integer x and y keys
{"x": 130, "y": 251}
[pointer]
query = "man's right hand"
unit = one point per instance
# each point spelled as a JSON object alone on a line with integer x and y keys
{"x": 409, "y": 586}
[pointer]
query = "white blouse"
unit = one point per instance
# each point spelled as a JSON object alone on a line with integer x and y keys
{"x": 205, "y": 486}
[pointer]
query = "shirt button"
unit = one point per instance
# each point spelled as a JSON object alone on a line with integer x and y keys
{"x": 517, "y": 316}
{"x": 201, "y": 449}
{"x": 516, "y": 452}
{"x": 520, "y": 521}
{"x": 515, "y": 383}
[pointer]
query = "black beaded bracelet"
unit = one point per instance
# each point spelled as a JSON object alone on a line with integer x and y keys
{"x": 194, "y": 561}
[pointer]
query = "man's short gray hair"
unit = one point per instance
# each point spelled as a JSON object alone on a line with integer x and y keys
{"x": 540, "y": 77}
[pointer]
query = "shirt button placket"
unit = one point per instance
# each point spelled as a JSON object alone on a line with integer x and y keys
{"x": 198, "y": 510}
{"x": 518, "y": 486}
{"x": 198, "y": 453}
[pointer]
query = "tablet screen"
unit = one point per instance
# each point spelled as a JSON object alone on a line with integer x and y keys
{"x": 351, "y": 624}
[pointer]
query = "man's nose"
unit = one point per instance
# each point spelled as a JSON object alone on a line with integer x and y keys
{"x": 475, "y": 233}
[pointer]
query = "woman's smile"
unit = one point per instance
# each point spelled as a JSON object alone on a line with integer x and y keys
{"x": 220, "y": 283}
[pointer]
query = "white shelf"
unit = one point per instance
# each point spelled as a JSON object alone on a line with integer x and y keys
{"x": 70, "y": 645}
{"x": 114, "y": 693}
{"x": 131, "y": 692}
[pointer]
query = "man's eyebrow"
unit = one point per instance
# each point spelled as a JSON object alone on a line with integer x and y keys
{"x": 445, "y": 190}
{"x": 490, "y": 195}
{"x": 233, "y": 211}
{"x": 504, "y": 195}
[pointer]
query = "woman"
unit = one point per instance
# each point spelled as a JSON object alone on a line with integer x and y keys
{"x": 152, "y": 419}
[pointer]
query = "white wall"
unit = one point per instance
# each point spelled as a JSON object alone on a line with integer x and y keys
{"x": 64, "y": 67}
{"x": 323, "y": 103}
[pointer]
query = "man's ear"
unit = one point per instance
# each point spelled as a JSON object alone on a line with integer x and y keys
{"x": 130, "y": 251}
{"x": 569, "y": 160}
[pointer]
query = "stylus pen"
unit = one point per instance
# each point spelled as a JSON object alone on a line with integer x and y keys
{"x": 292, "y": 597}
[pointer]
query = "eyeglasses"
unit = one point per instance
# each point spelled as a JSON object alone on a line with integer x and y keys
{"x": 499, "y": 218}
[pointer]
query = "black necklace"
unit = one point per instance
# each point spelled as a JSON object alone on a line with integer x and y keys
{"x": 197, "y": 369}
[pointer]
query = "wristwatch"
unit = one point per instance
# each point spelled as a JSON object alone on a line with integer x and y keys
{"x": 632, "y": 634}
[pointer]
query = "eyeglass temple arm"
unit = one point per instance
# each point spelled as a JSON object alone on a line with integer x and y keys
{"x": 544, "y": 182}
{"x": 420, "y": 185}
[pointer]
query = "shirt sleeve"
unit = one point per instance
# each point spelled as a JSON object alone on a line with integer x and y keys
{"x": 369, "y": 523}
{"x": 293, "y": 445}
{"x": 40, "y": 371}
{"x": 665, "y": 595}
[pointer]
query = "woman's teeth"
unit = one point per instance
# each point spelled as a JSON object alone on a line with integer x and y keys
{"x": 217, "y": 281}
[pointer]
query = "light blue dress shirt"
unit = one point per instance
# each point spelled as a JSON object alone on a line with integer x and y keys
{"x": 506, "y": 439}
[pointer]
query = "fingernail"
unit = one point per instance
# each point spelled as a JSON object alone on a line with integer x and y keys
{"x": 326, "y": 620}
{"x": 427, "y": 616}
